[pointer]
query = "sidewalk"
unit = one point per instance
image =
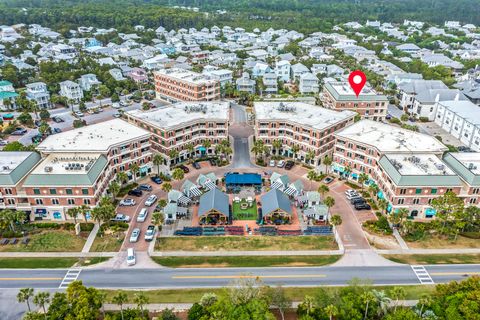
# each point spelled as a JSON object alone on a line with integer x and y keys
{"x": 91, "y": 238}
{"x": 56, "y": 254}
{"x": 430, "y": 251}
{"x": 399, "y": 239}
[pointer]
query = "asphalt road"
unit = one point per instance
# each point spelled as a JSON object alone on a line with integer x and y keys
{"x": 220, "y": 277}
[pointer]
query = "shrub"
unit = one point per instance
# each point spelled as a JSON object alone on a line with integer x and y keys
{"x": 423, "y": 119}
{"x": 48, "y": 225}
{"x": 124, "y": 190}
{"x": 379, "y": 226}
{"x": 395, "y": 120}
{"x": 11, "y": 234}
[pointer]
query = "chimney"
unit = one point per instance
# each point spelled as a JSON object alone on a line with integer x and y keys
{"x": 457, "y": 96}
{"x": 437, "y": 97}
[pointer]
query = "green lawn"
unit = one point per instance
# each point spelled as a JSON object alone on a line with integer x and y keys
{"x": 250, "y": 213}
{"x": 434, "y": 258}
{"x": 246, "y": 261}
{"x": 47, "y": 263}
{"x": 240, "y": 243}
{"x": 107, "y": 243}
{"x": 50, "y": 241}
{"x": 294, "y": 293}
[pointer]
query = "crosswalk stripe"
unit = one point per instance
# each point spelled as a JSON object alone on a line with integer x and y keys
{"x": 70, "y": 276}
{"x": 422, "y": 274}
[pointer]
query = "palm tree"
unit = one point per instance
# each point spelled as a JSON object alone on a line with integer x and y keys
{"x": 309, "y": 156}
{"x": 122, "y": 177}
{"x": 41, "y": 299}
{"x": 397, "y": 293}
{"x": 367, "y": 297}
{"x": 383, "y": 302}
{"x": 258, "y": 148}
{"x": 178, "y": 174}
{"x": 24, "y": 295}
{"x": 190, "y": 148}
{"x": 167, "y": 187}
{"x": 362, "y": 178}
{"x": 158, "y": 218}
{"x": 114, "y": 188}
{"x": 73, "y": 212}
{"x": 101, "y": 297}
{"x": 83, "y": 210}
{"x": 141, "y": 300}
{"x": 373, "y": 189}
{"x": 309, "y": 304}
{"x": 134, "y": 169}
{"x": 327, "y": 161}
{"x": 120, "y": 299}
{"x": 329, "y": 202}
{"x": 173, "y": 154}
{"x": 295, "y": 148}
{"x": 347, "y": 171}
{"x": 276, "y": 145}
{"x": 158, "y": 160}
{"x": 331, "y": 311}
{"x": 323, "y": 189}
{"x": 402, "y": 214}
{"x": 424, "y": 301}
{"x": 311, "y": 175}
{"x": 336, "y": 220}
{"x": 383, "y": 205}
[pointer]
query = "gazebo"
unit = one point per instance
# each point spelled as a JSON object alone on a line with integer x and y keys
{"x": 175, "y": 196}
{"x": 279, "y": 181}
{"x": 214, "y": 208}
{"x": 190, "y": 189}
{"x": 276, "y": 207}
{"x": 207, "y": 181}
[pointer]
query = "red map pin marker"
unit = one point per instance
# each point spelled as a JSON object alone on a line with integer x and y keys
{"x": 357, "y": 80}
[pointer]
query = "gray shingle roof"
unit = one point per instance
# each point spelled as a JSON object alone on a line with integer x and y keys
{"x": 214, "y": 200}
{"x": 273, "y": 200}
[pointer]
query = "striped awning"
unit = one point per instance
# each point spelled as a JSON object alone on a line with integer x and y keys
{"x": 290, "y": 191}
{"x": 210, "y": 185}
{"x": 194, "y": 192}
{"x": 184, "y": 200}
{"x": 277, "y": 185}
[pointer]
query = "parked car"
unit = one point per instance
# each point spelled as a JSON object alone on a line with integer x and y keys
{"x": 150, "y": 233}
{"x": 272, "y": 163}
{"x": 145, "y": 187}
{"x": 127, "y": 202}
{"x": 281, "y": 163}
{"x": 135, "y": 235}
{"x": 116, "y": 105}
{"x": 357, "y": 200}
{"x": 328, "y": 180}
{"x": 156, "y": 179}
{"x": 57, "y": 119}
{"x": 3, "y": 142}
{"x": 135, "y": 192}
{"x": 57, "y": 130}
{"x": 78, "y": 114}
{"x": 289, "y": 164}
{"x": 19, "y": 132}
{"x": 212, "y": 161}
{"x": 131, "y": 257}
{"x": 351, "y": 194}
{"x": 150, "y": 200}
{"x": 142, "y": 215}
{"x": 117, "y": 115}
{"x": 196, "y": 165}
{"x": 120, "y": 217}
{"x": 362, "y": 206}
{"x": 184, "y": 168}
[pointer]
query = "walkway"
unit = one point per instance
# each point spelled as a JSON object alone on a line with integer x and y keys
{"x": 244, "y": 253}
{"x": 91, "y": 238}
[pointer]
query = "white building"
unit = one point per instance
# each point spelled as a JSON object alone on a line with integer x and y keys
{"x": 71, "y": 90}
{"x": 462, "y": 120}
{"x": 38, "y": 93}
{"x": 282, "y": 70}
{"x": 88, "y": 81}
{"x": 308, "y": 83}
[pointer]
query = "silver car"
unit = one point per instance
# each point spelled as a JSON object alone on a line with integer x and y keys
{"x": 135, "y": 235}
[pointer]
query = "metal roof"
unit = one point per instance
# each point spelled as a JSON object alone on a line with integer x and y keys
{"x": 274, "y": 200}
{"x": 214, "y": 200}
{"x": 243, "y": 179}
{"x": 14, "y": 175}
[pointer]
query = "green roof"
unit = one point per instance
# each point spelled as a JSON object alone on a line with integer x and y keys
{"x": 5, "y": 83}
{"x": 457, "y": 166}
{"x": 21, "y": 170}
{"x": 418, "y": 180}
{"x": 87, "y": 179}
{"x": 7, "y": 95}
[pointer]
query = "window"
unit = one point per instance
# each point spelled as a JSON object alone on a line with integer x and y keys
{"x": 473, "y": 200}
{"x": 53, "y": 191}
{"x": 68, "y": 191}
{"x": 36, "y": 191}
{"x": 401, "y": 201}
{"x": 8, "y": 191}
{"x": 434, "y": 191}
{"x": 416, "y": 201}
{"x": 418, "y": 191}
{"x": 55, "y": 201}
{"x": 10, "y": 201}
{"x": 86, "y": 201}
{"x": 84, "y": 191}
{"x": 38, "y": 201}
{"x": 403, "y": 191}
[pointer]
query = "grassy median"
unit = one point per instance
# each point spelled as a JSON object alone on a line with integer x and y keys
{"x": 246, "y": 261}
{"x": 47, "y": 263}
{"x": 235, "y": 243}
{"x": 434, "y": 258}
{"x": 294, "y": 293}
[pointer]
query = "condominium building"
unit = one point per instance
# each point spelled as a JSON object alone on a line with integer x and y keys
{"x": 467, "y": 166}
{"x": 309, "y": 127}
{"x": 404, "y": 164}
{"x": 340, "y": 96}
{"x": 178, "y": 127}
{"x": 38, "y": 93}
{"x": 71, "y": 90}
{"x": 175, "y": 84}
{"x": 14, "y": 167}
{"x": 78, "y": 165}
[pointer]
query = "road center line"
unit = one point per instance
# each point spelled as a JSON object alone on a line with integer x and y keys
{"x": 27, "y": 279}
{"x": 251, "y": 276}
{"x": 453, "y": 273}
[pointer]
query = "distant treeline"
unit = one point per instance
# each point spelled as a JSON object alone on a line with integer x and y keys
{"x": 301, "y": 15}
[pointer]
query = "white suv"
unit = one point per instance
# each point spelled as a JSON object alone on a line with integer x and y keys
{"x": 150, "y": 200}
{"x": 142, "y": 215}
